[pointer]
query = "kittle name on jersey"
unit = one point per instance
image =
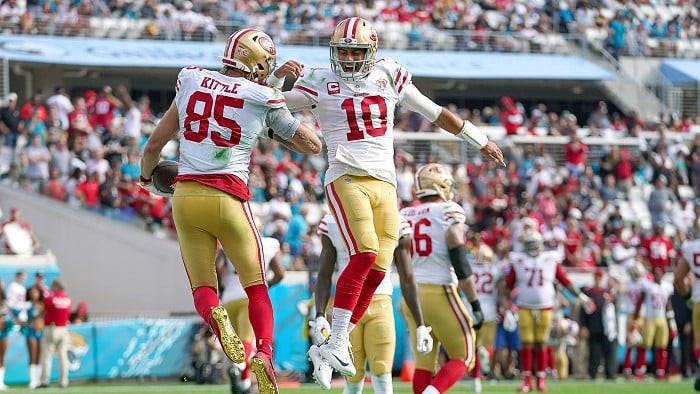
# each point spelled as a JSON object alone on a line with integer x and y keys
{"x": 213, "y": 84}
{"x": 414, "y": 212}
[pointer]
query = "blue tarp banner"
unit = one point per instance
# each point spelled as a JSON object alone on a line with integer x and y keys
{"x": 178, "y": 54}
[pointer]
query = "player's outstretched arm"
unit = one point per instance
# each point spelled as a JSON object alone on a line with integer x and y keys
{"x": 164, "y": 131}
{"x": 443, "y": 118}
{"x": 301, "y": 138}
{"x": 409, "y": 290}
{"x": 277, "y": 269}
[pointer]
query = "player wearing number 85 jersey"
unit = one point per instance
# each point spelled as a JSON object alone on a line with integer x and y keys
{"x": 354, "y": 102}
{"x": 217, "y": 117}
{"x": 532, "y": 275}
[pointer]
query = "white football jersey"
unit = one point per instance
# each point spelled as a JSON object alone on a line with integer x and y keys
{"x": 329, "y": 227}
{"x": 690, "y": 250}
{"x": 633, "y": 290}
{"x": 357, "y": 118}
{"x": 657, "y": 295}
{"x": 485, "y": 278}
{"x": 534, "y": 278}
{"x": 430, "y": 256}
{"x": 221, "y": 119}
{"x": 233, "y": 290}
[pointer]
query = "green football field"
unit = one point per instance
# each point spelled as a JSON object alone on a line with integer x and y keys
{"x": 568, "y": 387}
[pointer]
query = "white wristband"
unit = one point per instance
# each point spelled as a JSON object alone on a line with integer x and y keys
{"x": 274, "y": 82}
{"x": 473, "y": 135}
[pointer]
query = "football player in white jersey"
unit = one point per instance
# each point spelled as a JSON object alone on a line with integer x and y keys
{"x": 532, "y": 274}
{"x": 217, "y": 117}
{"x": 631, "y": 295}
{"x": 441, "y": 270}
{"x": 354, "y": 102}
{"x": 682, "y": 280}
{"x": 373, "y": 339}
{"x": 235, "y": 301}
{"x": 486, "y": 276}
{"x": 659, "y": 322}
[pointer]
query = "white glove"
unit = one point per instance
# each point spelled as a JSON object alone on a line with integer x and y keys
{"x": 148, "y": 185}
{"x": 587, "y": 303}
{"x": 320, "y": 329}
{"x": 424, "y": 341}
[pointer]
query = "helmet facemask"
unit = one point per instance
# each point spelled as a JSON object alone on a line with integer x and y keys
{"x": 350, "y": 35}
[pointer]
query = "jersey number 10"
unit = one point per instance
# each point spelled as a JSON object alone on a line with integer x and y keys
{"x": 366, "y": 104}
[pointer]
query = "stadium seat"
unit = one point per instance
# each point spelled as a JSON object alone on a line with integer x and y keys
{"x": 684, "y": 49}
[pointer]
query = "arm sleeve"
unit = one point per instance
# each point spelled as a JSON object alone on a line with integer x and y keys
{"x": 561, "y": 276}
{"x": 297, "y": 100}
{"x": 281, "y": 121}
{"x": 416, "y": 101}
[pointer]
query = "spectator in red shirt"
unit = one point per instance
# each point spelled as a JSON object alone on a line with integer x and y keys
{"x": 510, "y": 116}
{"x": 575, "y": 155}
{"x": 657, "y": 249}
{"x": 624, "y": 171}
{"x": 88, "y": 191}
{"x": 105, "y": 105}
{"x": 35, "y": 103}
{"x": 573, "y": 244}
{"x": 57, "y": 308}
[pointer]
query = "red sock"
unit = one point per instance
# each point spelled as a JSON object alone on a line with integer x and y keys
{"x": 697, "y": 355}
{"x": 550, "y": 358}
{"x": 526, "y": 361}
{"x": 627, "y": 362}
{"x": 350, "y": 282}
{"x": 205, "y": 298}
{"x": 260, "y": 315}
{"x": 248, "y": 354}
{"x": 421, "y": 380}
{"x": 449, "y": 374}
{"x": 641, "y": 359}
{"x": 541, "y": 358}
{"x": 374, "y": 278}
{"x": 661, "y": 358}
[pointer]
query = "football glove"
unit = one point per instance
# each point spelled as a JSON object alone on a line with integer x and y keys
{"x": 424, "y": 341}
{"x": 148, "y": 185}
{"x": 587, "y": 303}
{"x": 478, "y": 315}
{"x": 320, "y": 329}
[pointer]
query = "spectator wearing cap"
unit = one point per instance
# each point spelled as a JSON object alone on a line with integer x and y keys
{"x": 510, "y": 116}
{"x": 659, "y": 199}
{"x": 9, "y": 121}
{"x": 599, "y": 328}
{"x": 56, "y": 339}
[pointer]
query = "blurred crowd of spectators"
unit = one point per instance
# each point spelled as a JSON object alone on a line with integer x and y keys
{"x": 83, "y": 150}
{"x": 635, "y": 28}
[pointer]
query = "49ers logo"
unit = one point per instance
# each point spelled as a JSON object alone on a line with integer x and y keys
{"x": 373, "y": 35}
{"x": 267, "y": 45}
{"x": 382, "y": 83}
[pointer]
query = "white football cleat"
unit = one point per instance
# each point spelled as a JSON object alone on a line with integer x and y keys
{"x": 338, "y": 356}
{"x": 323, "y": 372}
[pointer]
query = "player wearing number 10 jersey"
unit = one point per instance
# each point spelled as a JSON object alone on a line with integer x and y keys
{"x": 532, "y": 275}
{"x": 218, "y": 116}
{"x": 354, "y": 103}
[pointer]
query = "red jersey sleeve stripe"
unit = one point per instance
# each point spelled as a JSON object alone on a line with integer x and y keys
{"x": 275, "y": 101}
{"x": 307, "y": 90}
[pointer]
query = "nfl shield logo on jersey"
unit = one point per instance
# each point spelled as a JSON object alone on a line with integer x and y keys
{"x": 333, "y": 87}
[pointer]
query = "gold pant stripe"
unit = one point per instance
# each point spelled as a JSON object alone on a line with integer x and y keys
{"x": 462, "y": 315}
{"x": 258, "y": 241}
{"x": 341, "y": 219}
